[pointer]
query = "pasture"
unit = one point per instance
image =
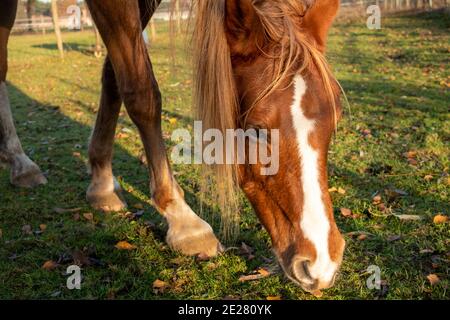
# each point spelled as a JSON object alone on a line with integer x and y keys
{"x": 389, "y": 177}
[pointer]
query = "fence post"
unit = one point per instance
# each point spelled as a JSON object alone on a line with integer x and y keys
{"x": 57, "y": 28}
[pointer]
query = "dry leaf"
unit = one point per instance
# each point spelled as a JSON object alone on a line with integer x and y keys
{"x": 331, "y": 190}
{"x": 261, "y": 273}
{"x": 173, "y": 120}
{"x": 139, "y": 206}
{"x": 394, "y": 238}
{"x": 124, "y": 245}
{"x": 273, "y": 298}
{"x": 433, "y": 278}
{"x": 80, "y": 258}
{"x": 377, "y": 199}
{"x": 408, "y": 217}
{"x": 440, "y": 219}
{"x": 49, "y": 265}
{"x": 362, "y": 237}
{"x": 43, "y": 227}
{"x": 61, "y": 210}
{"x": 159, "y": 286}
{"x": 341, "y": 191}
{"x": 88, "y": 216}
{"x": 346, "y": 212}
{"x": 428, "y": 177}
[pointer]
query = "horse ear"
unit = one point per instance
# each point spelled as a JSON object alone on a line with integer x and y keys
{"x": 318, "y": 20}
{"x": 241, "y": 22}
{"x": 240, "y": 15}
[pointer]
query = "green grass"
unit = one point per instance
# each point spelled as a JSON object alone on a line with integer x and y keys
{"x": 397, "y": 82}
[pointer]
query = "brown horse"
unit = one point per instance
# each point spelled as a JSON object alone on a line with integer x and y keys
{"x": 258, "y": 64}
{"x": 24, "y": 172}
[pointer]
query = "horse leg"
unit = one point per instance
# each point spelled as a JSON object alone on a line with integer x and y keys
{"x": 117, "y": 21}
{"x": 24, "y": 172}
{"x": 104, "y": 191}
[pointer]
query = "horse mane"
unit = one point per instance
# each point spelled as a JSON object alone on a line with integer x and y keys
{"x": 215, "y": 96}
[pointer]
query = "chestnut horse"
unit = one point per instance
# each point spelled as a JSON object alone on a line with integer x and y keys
{"x": 257, "y": 64}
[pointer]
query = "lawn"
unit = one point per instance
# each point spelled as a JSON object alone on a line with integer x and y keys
{"x": 389, "y": 162}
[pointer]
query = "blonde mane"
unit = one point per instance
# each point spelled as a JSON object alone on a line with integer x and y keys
{"x": 215, "y": 96}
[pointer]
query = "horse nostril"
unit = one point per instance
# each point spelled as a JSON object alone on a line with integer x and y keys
{"x": 301, "y": 271}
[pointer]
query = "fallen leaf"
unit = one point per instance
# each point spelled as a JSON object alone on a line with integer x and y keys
{"x": 26, "y": 229}
{"x": 246, "y": 251}
{"x": 393, "y": 238}
{"x": 341, "y": 191}
{"x": 362, "y": 237}
{"x": 433, "y": 278}
{"x": 261, "y": 273}
{"x": 88, "y": 216}
{"x": 139, "y": 206}
{"x": 346, "y": 212}
{"x": 159, "y": 286}
{"x": 61, "y": 210}
{"x": 80, "y": 258}
{"x": 173, "y": 120}
{"x": 428, "y": 177}
{"x": 76, "y": 154}
{"x": 377, "y": 199}
{"x": 408, "y": 217}
{"x": 124, "y": 245}
{"x": 43, "y": 227}
{"x": 440, "y": 219}
{"x": 49, "y": 265}
{"x": 331, "y": 190}
{"x": 273, "y": 298}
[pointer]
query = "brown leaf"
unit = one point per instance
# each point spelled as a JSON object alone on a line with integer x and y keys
{"x": 26, "y": 229}
{"x": 428, "y": 177}
{"x": 88, "y": 216}
{"x": 341, "y": 191}
{"x": 80, "y": 258}
{"x": 124, "y": 245}
{"x": 43, "y": 227}
{"x": 433, "y": 278}
{"x": 333, "y": 189}
{"x": 440, "y": 219}
{"x": 261, "y": 273}
{"x": 346, "y": 212}
{"x": 247, "y": 251}
{"x": 393, "y": 238}
{"x": 159, "y": 286}
{"x": 61, "y": 210}
{"x": 362, "y": 237}
{"x": 273, "y": 298}
{"x": 49, "y": 265}
{"x": 377, "y": 199}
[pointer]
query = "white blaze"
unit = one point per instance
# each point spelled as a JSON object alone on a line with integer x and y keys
{"x": 314, "y": 221}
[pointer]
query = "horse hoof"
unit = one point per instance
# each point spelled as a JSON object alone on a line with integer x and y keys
{"x": 26, "y": 174}
{"x": 111, "y": 202}
{"x": 194, "y": 241}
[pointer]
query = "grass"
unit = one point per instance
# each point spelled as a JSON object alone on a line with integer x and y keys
{"x": 397, "y": 81}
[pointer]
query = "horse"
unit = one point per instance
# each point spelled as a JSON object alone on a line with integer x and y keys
{"x": 257, "y": 64}
{"x": 24, "y": 172}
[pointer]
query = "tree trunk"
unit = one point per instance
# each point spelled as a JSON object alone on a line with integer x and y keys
{"x": 59, "y": 41}
{"x": 30, "y": 12}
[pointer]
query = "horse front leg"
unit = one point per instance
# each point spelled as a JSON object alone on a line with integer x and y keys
{"x": 24, "y": 172}
{"x": 118, "y": 23}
